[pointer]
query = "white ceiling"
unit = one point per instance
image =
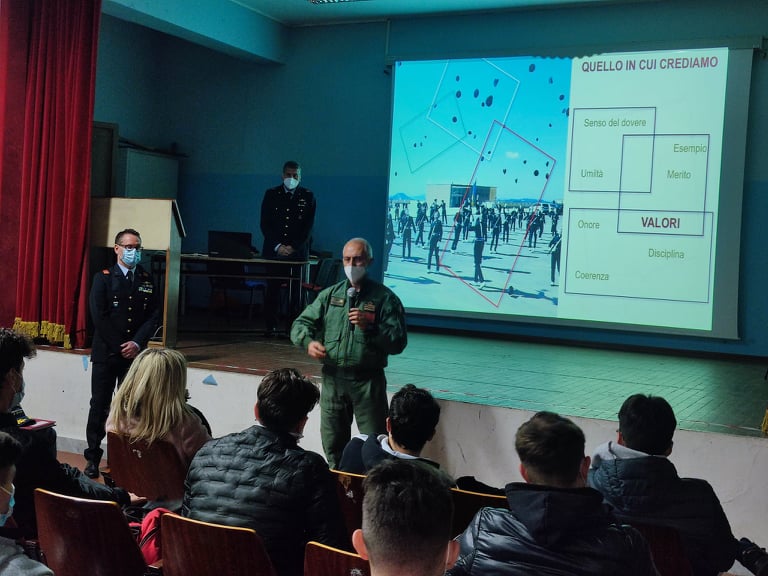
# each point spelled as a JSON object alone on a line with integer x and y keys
{"x": 304, "y": 13}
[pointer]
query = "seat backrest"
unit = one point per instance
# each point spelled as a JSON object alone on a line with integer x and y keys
{"x": 79, "y": 536}
{"x": 666, "y": 549}
{"x": 205, "y": 549}
{"x": 322, "y": 560}
{"x": 349, "y": 491}
{"x": 154, "y": 471}
{"x": 328, "y": 272}
{"x": 227, "y": 275}
{"x": 466, "y": 504}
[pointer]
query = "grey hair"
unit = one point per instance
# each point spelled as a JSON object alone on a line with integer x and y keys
{"x": 366, "y": 244}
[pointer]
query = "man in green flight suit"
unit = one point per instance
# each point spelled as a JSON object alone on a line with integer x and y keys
{"x": 352, "y": 327}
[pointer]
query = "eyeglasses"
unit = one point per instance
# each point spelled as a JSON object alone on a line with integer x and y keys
{"x": 130, "y": 246}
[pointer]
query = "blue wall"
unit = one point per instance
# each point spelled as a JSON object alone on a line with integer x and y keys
{"x": 329, "y": 106}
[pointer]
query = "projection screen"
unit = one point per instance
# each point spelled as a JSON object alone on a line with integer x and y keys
{"x": 601, "y": 191}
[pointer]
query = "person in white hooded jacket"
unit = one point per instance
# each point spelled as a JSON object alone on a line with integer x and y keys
{"x": 640, "y": 483}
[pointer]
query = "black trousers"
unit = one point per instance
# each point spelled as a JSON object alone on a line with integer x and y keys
{"x": 387, "y": 250}
{"x": 281, "y": 303}
{"x": 104, "y": 378}
{"x": 279, "y": 313}
{"x": 407, "y": 244}
{"x": 479, "y": 247}
{"x": 456, "y": 238}
{"x": 433, "y": 250}
{"x": 555, "y": 263}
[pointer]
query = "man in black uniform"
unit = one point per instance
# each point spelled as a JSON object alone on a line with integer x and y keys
{"x": 126, "y": 312}
{"x": 287, "y": 217}
{"x": 408, "y": 228}
{"x": 458, "y": 219}
{"x": 389, "y": 239}
{"x": 435, "y": 236}
{"x": 554, "y": 250}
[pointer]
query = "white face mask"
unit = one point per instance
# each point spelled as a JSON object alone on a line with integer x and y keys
{"x": 355, "y": 273}
{"x": 290, "y": 183}
{"x": 11, "y": 503}
{"x": 18, "y": 396}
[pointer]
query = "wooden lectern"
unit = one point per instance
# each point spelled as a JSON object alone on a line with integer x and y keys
{"x": 161, "y": 228}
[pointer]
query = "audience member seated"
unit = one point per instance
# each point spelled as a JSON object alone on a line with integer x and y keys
{"x": 151, "y": 403}
{"x": 37, "y": 466}
{"x": 554, "y": 522}
{"x": 13, "y": 560}
{"x": 637, "y": 479}
{"x": 407, "y": 516}
{"x": 411, "y": 423}
{"x": 260, "y": 478}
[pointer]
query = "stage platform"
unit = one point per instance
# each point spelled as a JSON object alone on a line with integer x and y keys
{"x": 708, "y": 393}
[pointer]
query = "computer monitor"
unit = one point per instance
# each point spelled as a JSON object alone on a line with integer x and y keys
{"x": 224, "y": 244}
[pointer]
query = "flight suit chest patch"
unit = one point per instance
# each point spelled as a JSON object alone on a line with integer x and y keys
{"x": 337, "y": 301}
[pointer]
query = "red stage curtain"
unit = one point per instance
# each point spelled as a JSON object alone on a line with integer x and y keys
{"x": 52, "y": 285}
{"x": 14, "y": 32}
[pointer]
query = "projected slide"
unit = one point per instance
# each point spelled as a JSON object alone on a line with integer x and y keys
{"x": 580, "y": 189}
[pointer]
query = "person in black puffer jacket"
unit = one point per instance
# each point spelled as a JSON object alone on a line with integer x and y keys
{"x": 555, "y": 525}
{"x": 260, "y": 478}
{"x": 37, "y": 466}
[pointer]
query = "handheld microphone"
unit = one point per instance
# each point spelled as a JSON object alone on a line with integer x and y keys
{"x": 351, "y": 296}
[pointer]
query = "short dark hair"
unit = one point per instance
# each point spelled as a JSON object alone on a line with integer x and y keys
{"x": 292, "y": 165}
{"x": 407, "y": 514}
{"x": 119, "y": 235}
{"x": 647, "y": 424}
{"x": 413, "y": 415}
{"x": 14, "y": 347}
{"x": 285, "y": 397}
{"x": 10, "y": 450}
{"x": 552, "y": 447}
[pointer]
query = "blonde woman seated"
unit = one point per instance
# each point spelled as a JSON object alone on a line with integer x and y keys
{"x": 151, "y": 404}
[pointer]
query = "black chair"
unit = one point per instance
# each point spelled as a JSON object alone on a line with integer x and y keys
{"x": 666, "y": 549}
{"x": 328, "y": 273}
{"x": 228, "y": 277}
{"x": 466, "y": 504}
{"x": 349, "y": 492}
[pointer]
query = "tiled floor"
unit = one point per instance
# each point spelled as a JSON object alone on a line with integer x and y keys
{"x": 718, "y": 395}
{"x": 708, "y": 394}
{"x": 77, "y": 461}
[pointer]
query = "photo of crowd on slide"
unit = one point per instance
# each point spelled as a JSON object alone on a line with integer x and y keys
{"x": 503, "y": 255}
{"x": 474, "y": 220}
